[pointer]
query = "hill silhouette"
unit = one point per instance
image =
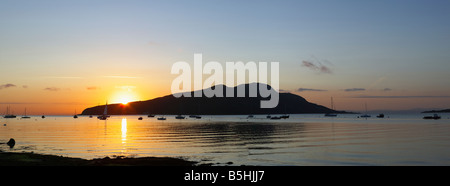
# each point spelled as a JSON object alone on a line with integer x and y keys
{"x": 169, "y": 105}
{"x": 438, "y": 111}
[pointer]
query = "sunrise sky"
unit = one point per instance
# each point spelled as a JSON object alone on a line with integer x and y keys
{"x": 60, "y": 56}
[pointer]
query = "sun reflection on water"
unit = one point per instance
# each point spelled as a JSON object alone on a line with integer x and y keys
{"x": 124, "y": 130}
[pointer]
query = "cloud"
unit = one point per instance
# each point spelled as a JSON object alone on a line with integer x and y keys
{"x": 122, "y": 77}
{"x": 309, "y": 89}
{"x": 24, "y": 86}
{"x": 354, "y": 89}
{"x": 9, "y": 85}
{"x": 92, "y": 88}
{"x": 387, "y": 89}
{"x": 63, "y": 77}
{"x": 284, "y": 91}
{"x": 400, "y": 97}
{"x": 317, "y": 66}
{"x": 54, "y": 89}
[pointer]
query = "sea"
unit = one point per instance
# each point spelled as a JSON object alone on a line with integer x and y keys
{"x": 301, "y": 140}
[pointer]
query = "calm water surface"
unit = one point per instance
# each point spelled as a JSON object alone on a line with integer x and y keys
{"x": 300, "y": 140}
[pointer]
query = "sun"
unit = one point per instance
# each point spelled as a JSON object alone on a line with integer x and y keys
{"x": 124, "y": 101}
{"x": 124, "y": 98}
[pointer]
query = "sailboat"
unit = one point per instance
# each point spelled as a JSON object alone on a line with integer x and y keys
{"x": 365, "y": 115}
{"x": 332, "y": 108}
{"x": 179, "y": 117}
{"x": 9, "y": 115}
{"x": 75, "y": 116}
{"x": 25, "y": 115}
{"x": 285, "y": 116}
{"x": 435, "y": 117}
{"x": 104, "y": 116}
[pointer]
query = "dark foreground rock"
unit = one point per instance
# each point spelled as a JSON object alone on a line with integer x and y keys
{"x": 31, "y": 159}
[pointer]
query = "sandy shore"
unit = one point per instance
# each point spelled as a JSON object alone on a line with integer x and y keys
{"x": 31, "y": 159}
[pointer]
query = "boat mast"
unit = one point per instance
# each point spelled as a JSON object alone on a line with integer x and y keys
{"x": 366, "y": 107}
{"x": 332, "y": 105}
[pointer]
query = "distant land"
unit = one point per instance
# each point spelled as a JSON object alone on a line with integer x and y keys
{"x": 169, "y": 105}
{"x": 438, "y": 111}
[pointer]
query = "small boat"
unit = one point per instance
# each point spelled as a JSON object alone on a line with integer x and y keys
{"x": 75, "y": 116}
{"x": 332, "y": 108}
{"x": 104, "y": 116}
{"x": 435, "y": 117}
{"x": 161, "y": 118}
{"x": 380, "y": 116}
{"x": 25, "y": 115}
{"x": 9, "y": 115}
{"x": 180, "y": 117}
{"x": 285, "y": 116}
{"x": 330, "y": 115}
{"x": 42, "y": 116}
{"x": 195, "y": 116}
{"x": 365, "y": 115}
{"x": 140, "y": 118}
{"x": 151, "y": 116}
{"x": 275, "y": 118}
{"x": 250, "y": 116}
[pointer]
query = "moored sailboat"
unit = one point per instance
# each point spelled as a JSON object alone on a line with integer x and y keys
{"x": 332, "y": 108}
{"x": 365, "y": 115}
{"x": 104, "y": 116}
{"x": 8, "y": 115}
{"x": 25, "y": 115}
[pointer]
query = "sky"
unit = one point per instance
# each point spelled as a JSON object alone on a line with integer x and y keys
{"x": 59, "y": 57}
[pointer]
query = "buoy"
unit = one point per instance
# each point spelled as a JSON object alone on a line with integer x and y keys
{"x": 11, "y": 143}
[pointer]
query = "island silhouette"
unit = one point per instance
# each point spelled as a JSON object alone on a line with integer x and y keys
{"x": 438, "y": 111}
{"x": 169, "y": 105}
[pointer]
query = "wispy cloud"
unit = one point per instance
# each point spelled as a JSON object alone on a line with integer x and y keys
{"x": 399, "y": 97}
{"x": 92, "y": 88}
{"x": 284, "y": 91}
{"x": 63, "y": 77}
{"x": 310, "y": 90}
{"x": 9, "y": 85}
{"x": 122, "y": 77}
{"x": 354, "y": 89}
{"x": 53, "y": 89}
{"x": 387, "y": 89}
{"x": 317, "y": 66}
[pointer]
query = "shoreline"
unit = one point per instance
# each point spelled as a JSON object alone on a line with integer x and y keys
{"x": 32, "y": 159}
